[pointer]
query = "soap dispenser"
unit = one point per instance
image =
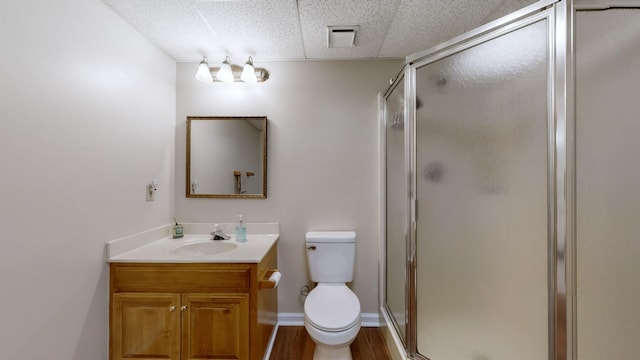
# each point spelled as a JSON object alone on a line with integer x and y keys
{"x": 241, "y": 230}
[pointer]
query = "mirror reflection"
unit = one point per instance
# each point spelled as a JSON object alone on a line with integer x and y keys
{"x": 226, "y": 157}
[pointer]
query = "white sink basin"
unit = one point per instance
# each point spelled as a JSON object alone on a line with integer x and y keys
{"x": 204, "y": 248}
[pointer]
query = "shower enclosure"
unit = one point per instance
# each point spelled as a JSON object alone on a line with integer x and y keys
{"x": 511, "y": 219}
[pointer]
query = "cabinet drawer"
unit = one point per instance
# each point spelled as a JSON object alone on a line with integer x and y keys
{"x": 180, "y": 277}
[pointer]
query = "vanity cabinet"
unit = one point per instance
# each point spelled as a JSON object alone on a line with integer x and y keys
{"x": 144, "y": 326}
{"x": 189, "y": 311}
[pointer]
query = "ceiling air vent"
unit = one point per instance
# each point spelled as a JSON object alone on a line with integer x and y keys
{"x": 341, "y": 36}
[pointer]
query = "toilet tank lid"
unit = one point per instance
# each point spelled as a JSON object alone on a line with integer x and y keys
{"x": 331, "y": 236}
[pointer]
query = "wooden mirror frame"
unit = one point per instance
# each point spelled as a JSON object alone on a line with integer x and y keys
{"x": 262, "y": 195}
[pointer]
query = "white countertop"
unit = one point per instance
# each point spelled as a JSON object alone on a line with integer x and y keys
{"x": 160, "y": 251}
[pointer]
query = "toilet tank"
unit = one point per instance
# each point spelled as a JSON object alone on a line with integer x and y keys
{"x": 331, "y": 256}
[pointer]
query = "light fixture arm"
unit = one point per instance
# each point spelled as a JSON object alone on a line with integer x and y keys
{"x": 262, "y": 74}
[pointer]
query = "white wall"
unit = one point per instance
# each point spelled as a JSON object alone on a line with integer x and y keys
{"x": 87, "y": 108}
{"x": 322, "y": 165}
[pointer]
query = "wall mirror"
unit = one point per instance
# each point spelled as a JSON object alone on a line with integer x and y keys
{"x": 226, "y": 157}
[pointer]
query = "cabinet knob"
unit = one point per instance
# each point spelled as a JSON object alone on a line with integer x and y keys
{"x": 183, "y": 307}
{"x": 172, "y": 308}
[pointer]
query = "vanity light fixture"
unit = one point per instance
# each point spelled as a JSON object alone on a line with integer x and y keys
{"x": 230, "y": 73}
{"x": 249, "y": 72}
{"x": 225, "y": 74}
{"x": 203, "y": 73}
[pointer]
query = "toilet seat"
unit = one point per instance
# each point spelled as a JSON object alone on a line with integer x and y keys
{"x": 332, "y": 308}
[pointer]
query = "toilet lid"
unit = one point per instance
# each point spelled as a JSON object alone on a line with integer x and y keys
{"x": 332, "y": 308}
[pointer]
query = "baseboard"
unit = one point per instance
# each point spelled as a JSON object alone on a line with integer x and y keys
{"x": 290, "y": 319}
{"x": 297, "y": 319}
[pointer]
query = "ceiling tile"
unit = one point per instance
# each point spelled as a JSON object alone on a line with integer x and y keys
{"x": 173, "y": 25}
{"x": 420, "y": 25}
{"x": 265, "y": 29}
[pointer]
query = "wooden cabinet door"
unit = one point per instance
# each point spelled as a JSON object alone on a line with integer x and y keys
{"x": 215, "y": 326}
{"x": 145, "y": 326}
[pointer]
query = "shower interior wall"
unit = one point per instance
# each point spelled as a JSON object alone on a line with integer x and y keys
{"x": 607, "y": 174}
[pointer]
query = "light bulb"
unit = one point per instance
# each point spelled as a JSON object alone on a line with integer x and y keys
{"x": 249, "y": 72}
{"x": 204, "y": 74}
{"x": 225, "y": 74}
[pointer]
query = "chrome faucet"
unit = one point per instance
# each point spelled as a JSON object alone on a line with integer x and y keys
{"x": 217, "y": 233}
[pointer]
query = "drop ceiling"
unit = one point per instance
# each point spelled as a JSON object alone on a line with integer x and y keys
{"x": 297, "y": 30}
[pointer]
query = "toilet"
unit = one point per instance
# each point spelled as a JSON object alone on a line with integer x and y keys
{"x": 331, "y": 310}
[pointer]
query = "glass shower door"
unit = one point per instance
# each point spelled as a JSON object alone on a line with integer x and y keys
{"x": 481, "y": 180}
{"x": 396, "y": 209}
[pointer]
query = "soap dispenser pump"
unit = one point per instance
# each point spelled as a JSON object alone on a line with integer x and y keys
{"x": 241, "y": 230}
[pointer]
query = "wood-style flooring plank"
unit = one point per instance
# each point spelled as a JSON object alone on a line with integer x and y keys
{"x": 293, "y": 343}
{"x": 370, "y": 345}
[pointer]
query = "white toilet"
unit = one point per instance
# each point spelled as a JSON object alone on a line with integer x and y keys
{"x": 332, "y": 310}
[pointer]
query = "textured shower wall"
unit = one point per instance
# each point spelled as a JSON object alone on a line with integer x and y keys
{"x": 608, "y": 200}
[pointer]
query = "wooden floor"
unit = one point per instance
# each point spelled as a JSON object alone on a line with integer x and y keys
{"x": 293, "y": 343}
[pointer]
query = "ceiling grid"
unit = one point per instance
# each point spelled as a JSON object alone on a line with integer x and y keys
{"x": 297, "y": 29}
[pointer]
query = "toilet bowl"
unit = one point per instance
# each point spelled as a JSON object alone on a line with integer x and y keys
{"x": 332, "y": 319}
{"x": 331, "y": 310}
